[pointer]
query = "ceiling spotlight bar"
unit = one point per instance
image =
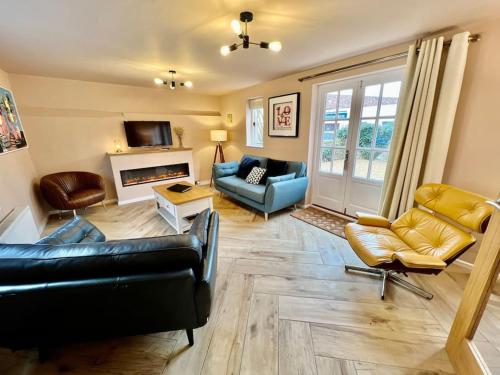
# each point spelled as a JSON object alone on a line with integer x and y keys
{"x": 172, "y": 83}
{"x": 242, "y": 32}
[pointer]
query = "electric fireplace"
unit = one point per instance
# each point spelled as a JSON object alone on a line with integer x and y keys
{"x": 147, "y": 175}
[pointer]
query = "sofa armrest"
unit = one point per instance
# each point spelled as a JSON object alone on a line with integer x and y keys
{"x": 412, "y": 259}
{"x": 373, "y": 220}
{"x": 225, "y": 169}
{"x": 53, "y": 193}
{"x": 285, "y": 193}
{"x": 206, "y": 287}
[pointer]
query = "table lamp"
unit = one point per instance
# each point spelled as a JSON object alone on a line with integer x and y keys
{"x": 218, "y": 136}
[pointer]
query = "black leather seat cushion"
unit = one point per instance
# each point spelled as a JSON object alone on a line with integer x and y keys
{"x": 44, "y": 263}
{"x": 77, "y": 230}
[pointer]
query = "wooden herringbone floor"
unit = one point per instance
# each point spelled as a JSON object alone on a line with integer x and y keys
{"x": 283, "y": 305}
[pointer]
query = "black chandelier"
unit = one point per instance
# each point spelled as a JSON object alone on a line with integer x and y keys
{"x": 172, "y": 83}
{"x": 246, "y": 17}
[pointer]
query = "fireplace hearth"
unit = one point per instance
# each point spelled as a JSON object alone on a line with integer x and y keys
{"x": 132, "y": 177}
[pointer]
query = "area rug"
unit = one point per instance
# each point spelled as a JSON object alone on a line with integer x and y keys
{"x": 324, "y": 220}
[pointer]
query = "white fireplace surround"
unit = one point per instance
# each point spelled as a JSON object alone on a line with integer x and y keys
{"x": 145, "y": 158}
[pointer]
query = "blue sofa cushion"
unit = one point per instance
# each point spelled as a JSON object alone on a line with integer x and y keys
{"x": 256, "y": 193}
{"x": 225, "y": 169}
{"x": 230, "y": 182}
{"x": 285, "y": 177}
{"x": 298, "y": 167}
{"x": 246, "y": 166}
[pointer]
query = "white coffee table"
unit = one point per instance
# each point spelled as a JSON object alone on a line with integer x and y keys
{"x": 179, "y": 209}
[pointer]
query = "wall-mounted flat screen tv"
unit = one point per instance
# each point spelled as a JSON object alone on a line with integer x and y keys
{"x": 148, "y": 133}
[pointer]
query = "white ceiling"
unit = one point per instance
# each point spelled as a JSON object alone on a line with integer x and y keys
{"x": 133, "y": 41}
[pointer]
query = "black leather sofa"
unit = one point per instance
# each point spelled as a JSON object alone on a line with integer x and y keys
{"x": 73, "y": 286}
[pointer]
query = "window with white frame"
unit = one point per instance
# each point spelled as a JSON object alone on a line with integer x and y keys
{"x": 255, "y": 122}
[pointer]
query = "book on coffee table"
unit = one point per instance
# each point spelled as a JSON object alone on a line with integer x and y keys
{"x": 179, "y": 188}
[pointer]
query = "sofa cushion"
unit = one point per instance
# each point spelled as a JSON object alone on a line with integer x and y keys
{"x": 298, "y": 167}
{"x": 77, "y": 230}
{"x": 246, "y": 165}
{"x": 285, "y": 177}
{"x": 225, "y": 169}
{"x": 262, "y": 159}
{"x": 255, "y": 175}
{"x": 230, "y": 182}
{"x": 254, "y": 192}
{"x": 274, "y": 168}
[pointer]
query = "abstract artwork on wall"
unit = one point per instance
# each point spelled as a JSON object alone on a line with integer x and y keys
{"x": 284, "y": 115}
{"x": 11, "y": 129}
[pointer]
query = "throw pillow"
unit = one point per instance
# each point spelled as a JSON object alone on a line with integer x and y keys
{"x": 246, "y": 166}
{"x": 285, "y": 177}
{"x": 274, "y": 168}
{"x": 255, "y": 175}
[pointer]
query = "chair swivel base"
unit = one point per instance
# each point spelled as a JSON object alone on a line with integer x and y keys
{"x": 390, "y": 276}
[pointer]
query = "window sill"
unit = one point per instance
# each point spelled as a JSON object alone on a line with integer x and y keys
{"x": 254, "y": 146}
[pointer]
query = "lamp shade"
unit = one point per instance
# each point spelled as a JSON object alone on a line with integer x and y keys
{"x": 218, "y": 135}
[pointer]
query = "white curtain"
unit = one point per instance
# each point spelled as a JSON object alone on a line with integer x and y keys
{"x": 414, "y": 135}
{"x": 446, "y": 108}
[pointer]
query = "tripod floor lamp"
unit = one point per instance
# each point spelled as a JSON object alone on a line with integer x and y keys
{"x": 218, "y": 136}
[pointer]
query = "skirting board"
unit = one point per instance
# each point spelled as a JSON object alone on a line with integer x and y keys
{"x": 464, "y": 264}
{"x": 56, "y": 212}
{"x": 135, "y": 200}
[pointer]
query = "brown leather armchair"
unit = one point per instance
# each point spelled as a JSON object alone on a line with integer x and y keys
{"x": 72, "y": 190}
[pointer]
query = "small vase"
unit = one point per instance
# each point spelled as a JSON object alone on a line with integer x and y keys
{"x": 180, "y": 142}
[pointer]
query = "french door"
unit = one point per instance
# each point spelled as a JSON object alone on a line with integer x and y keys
{"x": 355, "y": 123}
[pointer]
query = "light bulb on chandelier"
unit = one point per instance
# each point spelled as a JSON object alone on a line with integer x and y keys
{"x": 172, "y": 84}
{"x": 236, "y": 26}
{"x": 242, "y": 32}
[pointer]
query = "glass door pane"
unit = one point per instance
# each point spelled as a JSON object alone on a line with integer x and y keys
{"x": 376, "y": 126}
{"x": 334, "y": 131}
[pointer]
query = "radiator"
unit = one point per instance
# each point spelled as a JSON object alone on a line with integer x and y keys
{"x": 19, "y": 227}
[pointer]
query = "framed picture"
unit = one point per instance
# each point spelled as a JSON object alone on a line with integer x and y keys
{"x": 11, "y": 129}
{"x": 284, "y": 115}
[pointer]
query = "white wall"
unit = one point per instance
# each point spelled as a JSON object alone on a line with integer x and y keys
{"x": 18, "y": 176}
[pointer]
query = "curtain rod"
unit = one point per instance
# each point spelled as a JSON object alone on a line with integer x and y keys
{"x": 396, "y": 56}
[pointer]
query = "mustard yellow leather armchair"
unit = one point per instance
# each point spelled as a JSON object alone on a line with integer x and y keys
{"x": 422, "y": 240}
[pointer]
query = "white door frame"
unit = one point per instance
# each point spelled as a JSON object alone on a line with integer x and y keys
{"x": 315, "y": 131}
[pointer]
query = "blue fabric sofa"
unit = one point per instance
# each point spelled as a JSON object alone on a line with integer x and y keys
{"x": 278, "y": 193}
